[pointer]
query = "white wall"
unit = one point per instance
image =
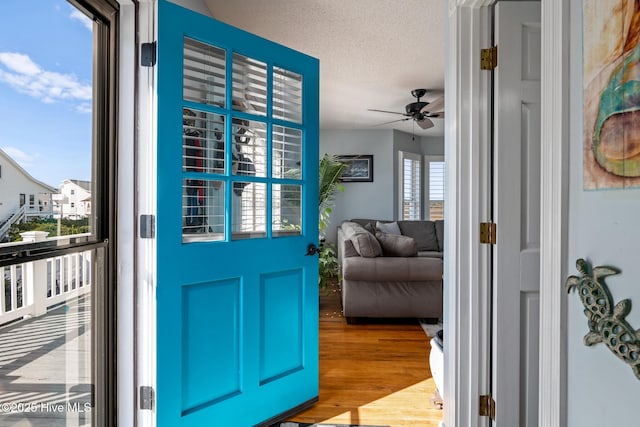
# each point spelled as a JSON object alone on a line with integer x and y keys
{"x": 604, "y": 228}
{"x": 432, "y": 146}
{"x": 377, "y": 199}
{"x": 195, "y": 5}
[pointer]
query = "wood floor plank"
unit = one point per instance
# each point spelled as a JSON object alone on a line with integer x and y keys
{"x": 372, "y": 373}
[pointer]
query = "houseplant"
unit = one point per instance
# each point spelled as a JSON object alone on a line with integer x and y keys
{"x": 330, "y": 171}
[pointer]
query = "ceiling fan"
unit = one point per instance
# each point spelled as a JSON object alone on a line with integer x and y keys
{"x": 420, "y": 112}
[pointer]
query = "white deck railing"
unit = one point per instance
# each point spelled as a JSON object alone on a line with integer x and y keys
{"x": 29, "y": 289}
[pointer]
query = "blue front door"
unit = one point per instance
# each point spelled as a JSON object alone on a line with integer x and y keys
{"x": 237, "y": 203}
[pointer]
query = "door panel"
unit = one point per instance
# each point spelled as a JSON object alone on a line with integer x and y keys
{"x": 237, "y": 206}
{"x": 517, "y": 214}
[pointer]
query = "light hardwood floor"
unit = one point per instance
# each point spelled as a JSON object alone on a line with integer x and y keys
{"x": 372, "y": 373}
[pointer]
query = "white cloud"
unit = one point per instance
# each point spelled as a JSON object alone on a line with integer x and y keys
{"x": 84, "y": 19}
{"x": 19, "y": 63}
{"x": 84, "y": 108}
{"x": 27, "y": 77}
{"x": 23, "y": 159}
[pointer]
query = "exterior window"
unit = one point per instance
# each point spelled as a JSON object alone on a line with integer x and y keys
{"x": 411, "y": 186}
{"x": 434, "y": 166}
{"x": 61, "y": 357}
{"x": 73, "y": 192}
{"x": 73, "y": 205}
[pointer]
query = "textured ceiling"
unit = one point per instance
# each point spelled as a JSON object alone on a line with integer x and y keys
{"x": 372, "y": 52}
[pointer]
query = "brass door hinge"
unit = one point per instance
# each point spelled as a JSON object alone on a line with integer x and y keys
{"x": 488, "y": 232}
{"x": 487, "y": 407}
{"x": 489, "y": 58}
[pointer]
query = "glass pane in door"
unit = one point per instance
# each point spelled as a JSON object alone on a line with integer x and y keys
{"x": 286, "y": 209}
{"x": 249, "y": 205}
{"x": 204, "y": 73}
{"x": 287, "y": 152}
{"x": 249, "y": 85}
{"x": 287, "y": 95}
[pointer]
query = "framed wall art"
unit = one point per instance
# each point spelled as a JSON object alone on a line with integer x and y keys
{"x": 359, "y": 168}
{"x": 611, "y": 88}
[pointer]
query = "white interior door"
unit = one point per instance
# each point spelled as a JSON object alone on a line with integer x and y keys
{"x": 516, "y": 279}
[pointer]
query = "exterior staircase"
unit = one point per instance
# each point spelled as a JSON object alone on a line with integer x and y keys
{"x": 17, "y": 216}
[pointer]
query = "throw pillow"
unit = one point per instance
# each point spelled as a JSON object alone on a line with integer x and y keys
{"x": 370, "y": 228}
{"x": 397, "y": 245}
{"x": 388, "y": 227}
{"x": 424, "y": 233}
{"x": 366, "y": 244}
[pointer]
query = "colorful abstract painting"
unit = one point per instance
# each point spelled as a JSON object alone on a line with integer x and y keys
{"x": 611, "y": 82}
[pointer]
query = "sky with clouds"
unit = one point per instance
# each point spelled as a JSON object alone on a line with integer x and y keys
{"x": 45, "y": 88}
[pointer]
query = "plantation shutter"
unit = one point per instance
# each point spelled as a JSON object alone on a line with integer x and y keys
{"x": 435, "y": 171}
{"x": 411, "y": 186}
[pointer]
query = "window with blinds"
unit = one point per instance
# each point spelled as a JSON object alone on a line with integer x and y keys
{"x": 411, "y": 205}
{"x": 435, "y": 175}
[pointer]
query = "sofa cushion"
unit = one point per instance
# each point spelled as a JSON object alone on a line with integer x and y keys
{"x": 388, "y": 227}
{"x": 397, "y": 245}
{"x": 423, "y": 232}
{"x": 363, "y": 242}
{"x": 440, "y": 234}
{"x": 430, "y": 254}
{"x": 392, "y": 269}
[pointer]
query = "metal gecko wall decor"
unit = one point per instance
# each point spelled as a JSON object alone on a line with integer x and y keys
{"x": 606, "y": 322}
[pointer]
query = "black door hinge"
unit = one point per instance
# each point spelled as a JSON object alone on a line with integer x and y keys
{"x": 148, "y": 54}
{"x": 147, "y": 226}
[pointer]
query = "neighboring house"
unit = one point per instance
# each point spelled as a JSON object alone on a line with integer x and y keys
{"x": 73, "y": 200}
{"x": 21, "y": 195}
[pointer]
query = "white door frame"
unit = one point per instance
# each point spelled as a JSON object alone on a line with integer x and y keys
{"x": 466, "y": 151}
{"x": 136, "y": 196}
{"x": 554, "y": 210}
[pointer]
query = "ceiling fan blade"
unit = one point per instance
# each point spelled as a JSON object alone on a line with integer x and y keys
{"x": 392, "y": 121}
{"x": 384, "y": 111}
{"x": 438, "y": 115}
{"x": 425, "y": 123}
{"x": 434, "y": 106}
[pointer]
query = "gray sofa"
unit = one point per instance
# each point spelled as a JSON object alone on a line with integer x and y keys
{"x": 386, "y": 274}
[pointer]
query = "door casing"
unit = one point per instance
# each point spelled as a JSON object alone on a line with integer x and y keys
{"x": 465, "y": 273}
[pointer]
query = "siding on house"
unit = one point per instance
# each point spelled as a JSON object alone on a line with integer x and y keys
{"x": 76, "y": 199}
{"x": 14, "y": 182}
